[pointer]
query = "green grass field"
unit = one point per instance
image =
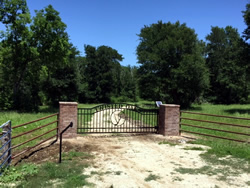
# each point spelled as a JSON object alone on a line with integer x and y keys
{"x": 239, "y": 110}
{"x": 242, "y": 111}
{"x": 44, "y": 175}
{"x": 20, "y": 118}
{"x": 221, "y": 147}
{"x": 50, "y": 174}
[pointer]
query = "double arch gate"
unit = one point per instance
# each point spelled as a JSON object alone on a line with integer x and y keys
{"x": 117, "y": 118}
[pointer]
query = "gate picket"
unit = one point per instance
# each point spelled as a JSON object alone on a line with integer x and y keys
{"x": 117, "y": 118}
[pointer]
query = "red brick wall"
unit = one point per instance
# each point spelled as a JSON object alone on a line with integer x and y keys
{"x": 169, "y": 120}
{"x": 68, "y": 114}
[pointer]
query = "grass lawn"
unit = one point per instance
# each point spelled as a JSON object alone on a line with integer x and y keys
{"x": 70, "y": 171}
{"x": 50, "y": 174}
{"x": 221, "y": 147}
{"x": 239, "y": 110}
{"x": 20, "y": 118}
{"x": 230, "y": 110}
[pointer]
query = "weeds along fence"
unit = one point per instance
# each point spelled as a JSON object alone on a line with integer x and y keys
{"x": 5, "y": 145}
{"x": 230, "y": 128}
{"x": 29, "y": 135}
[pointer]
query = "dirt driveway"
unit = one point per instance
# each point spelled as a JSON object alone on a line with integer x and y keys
{"x": 151, "y": 161}
{"x": 133, "y": 161}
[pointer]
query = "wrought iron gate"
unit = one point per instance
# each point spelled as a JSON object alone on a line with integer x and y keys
{"x": 117, "y": 118}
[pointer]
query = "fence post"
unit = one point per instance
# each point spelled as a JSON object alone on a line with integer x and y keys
{"x": 68, "y": 114}
{"x": 6, "y": 139}
{"x": 169, "y": 120}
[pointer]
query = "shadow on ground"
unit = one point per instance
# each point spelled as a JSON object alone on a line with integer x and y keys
{"x": 197, "y": 108}
{"x": 236, "y": 110}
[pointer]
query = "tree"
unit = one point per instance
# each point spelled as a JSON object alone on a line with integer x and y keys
{"x": 172, "y": 67}
{"x": 246, "y": 35}
{"x": 50, "y": 38}
{"x": 116, "y": 71}
{"x": 246, "y": 16}
{"x": 57, "y": 56}
{"x": 18, "y": 58}
{"x": 128, "y": 84}
{"x": 37, "y": 62}
{"x": 81, "y": 65}
{"x": 100, "y": 63}
{"x": 227, "y": 66}
{"x": 64, "y": 81}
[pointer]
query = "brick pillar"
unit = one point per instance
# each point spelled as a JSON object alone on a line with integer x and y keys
{"x": 169, "y": 120}
{"x": 68, "y": 113}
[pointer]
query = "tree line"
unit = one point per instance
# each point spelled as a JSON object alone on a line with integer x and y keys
{"x": 39, "y": 65}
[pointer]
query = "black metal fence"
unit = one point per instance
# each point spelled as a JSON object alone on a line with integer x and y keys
{"x": 5, "y": 146}
{"x": 222, "y": 127}
{"x": 117, "y": 118}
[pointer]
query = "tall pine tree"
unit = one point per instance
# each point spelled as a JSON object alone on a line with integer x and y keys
{"x": 227, "y": 66}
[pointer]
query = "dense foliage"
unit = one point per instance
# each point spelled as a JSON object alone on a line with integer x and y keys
{"x": 39, "y": 65}
{"x": 246, "y": 35}
{"x": 246, "y": 15}
{"x": 172, "y": 67}
{"x": 100, "y": 73}
{"x": 227, "y": 65}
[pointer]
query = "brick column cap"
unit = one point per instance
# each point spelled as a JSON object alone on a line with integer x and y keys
{"x": 171, "y": 105}
{"x": 68, "y": 103}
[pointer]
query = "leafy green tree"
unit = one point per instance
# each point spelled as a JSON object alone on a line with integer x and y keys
{"x": 37, "y": 62}
{"x": 246, "y": 16}
{"x": 172, "y": 66}
{"x": 64, "y": 81}
{"x": 56, "y": 55}
{"x": 18, "y": 58}
{"x": 116, "y": 83}
{"x": 99, "y": 74}
{"x": 246, "y": 35}
{"x": 227, "y": 66}
{"x": 81, "y": 64}
{"x": 128, "y": 84}
{"x": 50, "y": 38}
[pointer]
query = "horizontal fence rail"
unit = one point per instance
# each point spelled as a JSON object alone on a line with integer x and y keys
{"x": 29, "y": 137}
{"x": 117, "y": 118}
{"x": 5, "y": 146}
{"x": 214, "y": 115}
{"x": 200, "y": 124}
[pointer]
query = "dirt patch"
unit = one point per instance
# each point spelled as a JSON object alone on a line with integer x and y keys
{"x": 50, "y": 152}
{"x": 141, "y": 161}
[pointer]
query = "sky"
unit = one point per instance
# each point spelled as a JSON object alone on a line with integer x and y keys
{"x": 116, "y": 23}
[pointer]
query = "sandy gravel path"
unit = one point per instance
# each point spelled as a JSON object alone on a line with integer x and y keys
{"x": 129, "y": 161}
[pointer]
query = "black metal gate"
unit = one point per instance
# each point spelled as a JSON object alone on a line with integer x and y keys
{"x": 117, "y": 118}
